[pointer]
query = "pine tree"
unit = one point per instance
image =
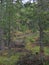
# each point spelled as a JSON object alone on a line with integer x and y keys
{"x": 2, "y": 11}
{"x": 9, "y": 20}
{"x": 42, "y": 23}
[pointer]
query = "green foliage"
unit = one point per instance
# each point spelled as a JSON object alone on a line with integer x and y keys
{"x": 47, "y": 62}
{"x": 29, "y": 16}
{"x": 46, "y": 40}
{"x": 24, "y": 28}
{"x": 9, "y": 61}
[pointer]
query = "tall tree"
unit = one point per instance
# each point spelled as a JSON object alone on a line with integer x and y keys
{"x": 1, "y": 24}
{"x": 9, "y": 20}
{"x": 42, "y": 22}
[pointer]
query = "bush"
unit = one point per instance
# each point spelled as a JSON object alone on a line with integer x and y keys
{"x": 30, "y": 59}
{"x": 9, "y": 61}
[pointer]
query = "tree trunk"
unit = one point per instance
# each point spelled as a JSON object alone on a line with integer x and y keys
{"x": 9, "y": 20}
{"x": 41, "y": 43}
{"x": 1, "y": 27}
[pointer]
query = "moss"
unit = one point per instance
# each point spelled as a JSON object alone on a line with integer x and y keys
{"x": 9, "y": 61}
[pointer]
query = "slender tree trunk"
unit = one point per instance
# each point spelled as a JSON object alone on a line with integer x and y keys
{"x": 41, "y": 10}
{"x": 41, "y": 45}
{"x": 9, "y": 19}
{"x": 41, "y": 37}
{"x": 1, "y": 26}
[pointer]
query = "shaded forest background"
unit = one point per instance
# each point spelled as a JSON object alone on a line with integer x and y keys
{"x": 24, "y": 28}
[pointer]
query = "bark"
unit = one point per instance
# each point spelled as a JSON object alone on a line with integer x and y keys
{"x": 9, "y": 20}
{"x": 41, "y": 43}
{"x": 1, "y": 27}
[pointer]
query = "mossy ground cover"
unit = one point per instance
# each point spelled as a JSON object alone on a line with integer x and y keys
{"x": 9, "y": 61}
{"x": 4, "y": 60}
{"x": 37, "y": 49}
{"x": 14, "y": 58}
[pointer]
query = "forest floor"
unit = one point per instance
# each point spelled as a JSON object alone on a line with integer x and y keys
{"x": 31, "y": 45}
